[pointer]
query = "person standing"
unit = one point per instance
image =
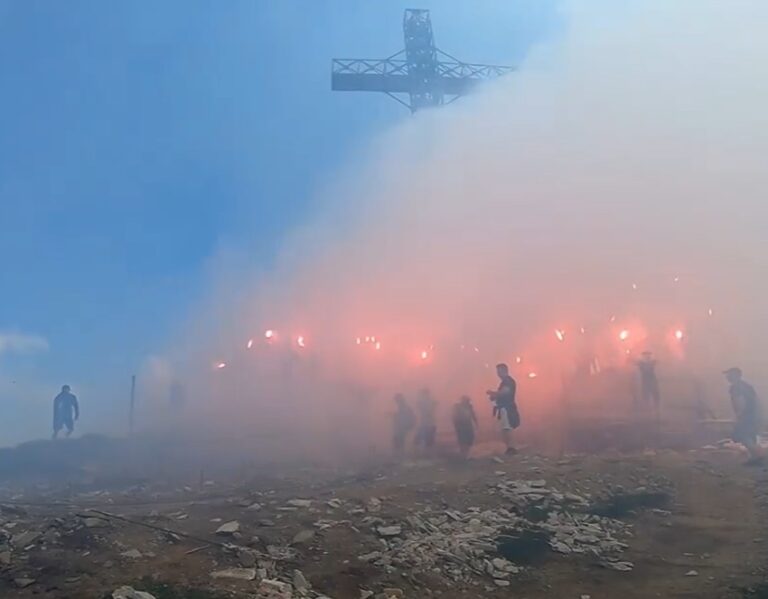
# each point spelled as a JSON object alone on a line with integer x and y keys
{"x": 66, "y": 411}
{"x": 464, "y": 423}
{"x": 505, "y": 405}
{"x": 425, "y": 435}
{"x": 403, "y": 422}
{"x": 748, "y": 417}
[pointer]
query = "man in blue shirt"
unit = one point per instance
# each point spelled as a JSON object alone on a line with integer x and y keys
{"x": 65, "y": 411}
{"x": 505, "y": 405}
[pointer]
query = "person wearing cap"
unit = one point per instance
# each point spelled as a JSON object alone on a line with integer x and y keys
{"x": 66, "y": 411}
{"x": 505, "y": 405}
{"x": 747, "y": 409}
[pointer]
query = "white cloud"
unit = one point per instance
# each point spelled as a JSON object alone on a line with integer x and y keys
{"x": 21, "y": 343}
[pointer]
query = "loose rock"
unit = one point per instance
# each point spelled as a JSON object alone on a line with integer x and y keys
{"x": 23, "y": 583}
{"x": 229, "y": 528}
{"x": 389, "y": 531}
{"x": 235, "y": 573}
{"x": 95, "y": 523}
{"x": 299, "y": 582}
{"x": 25, "y": 539}
{"x": 303, "y": 537}
{"x": 130, "y": 593}
{"x": 275, "y": 589}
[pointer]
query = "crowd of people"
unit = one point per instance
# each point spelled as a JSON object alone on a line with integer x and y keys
{"x": 423, "y": 418}
{"x": 744, "y": 401}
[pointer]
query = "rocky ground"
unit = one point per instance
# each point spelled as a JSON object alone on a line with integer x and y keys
{"x": 654, "y": 524}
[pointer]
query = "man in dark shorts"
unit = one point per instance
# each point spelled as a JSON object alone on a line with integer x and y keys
{"x": 464, "y": 423}
{"x": 66, "y": 411}
{"x": 505, "y": 405}
{"x": 748, "y": 418}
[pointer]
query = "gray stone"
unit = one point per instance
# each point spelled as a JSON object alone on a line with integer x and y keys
{"x": 389, "y": 531}
{"x": 300, "y": 503}
{"x": 300, "y": 583}
{"x": 620, "y": 566}
{"x": 130, "y": 593}
{"x": 132, "y": 554}
{"x": 303, "y": 537}
{"x": 228, "y": 528}
{"x": 561, "y": 548}
{"x": 235, "y": 573}
{"x": 247, "y": 558}
{"x": 96, "y": 523}
{"x": 23, "y": 583}
{"x": 275, "y": 589}
{"x": 25, "y": 539}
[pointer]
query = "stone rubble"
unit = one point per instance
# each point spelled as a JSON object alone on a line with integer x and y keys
{"x": 464, "y": 544}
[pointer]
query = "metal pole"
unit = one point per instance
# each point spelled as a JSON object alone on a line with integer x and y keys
{"x": 133, "y": 402}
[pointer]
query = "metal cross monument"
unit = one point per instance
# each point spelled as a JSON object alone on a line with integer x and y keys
{"x": 419, "y": 71}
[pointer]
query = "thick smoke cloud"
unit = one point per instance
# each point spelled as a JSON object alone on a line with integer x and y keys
{"x": 631, "y": 152}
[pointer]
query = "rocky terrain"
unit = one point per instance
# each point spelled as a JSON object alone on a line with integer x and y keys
{"x": 652, "y": 524}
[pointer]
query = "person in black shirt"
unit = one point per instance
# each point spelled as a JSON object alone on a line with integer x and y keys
{"x": 748, "y": 418}
{"x": 505, "y": 406}
{"x": 464, "y": 422}
{"x": 65, "y": 411}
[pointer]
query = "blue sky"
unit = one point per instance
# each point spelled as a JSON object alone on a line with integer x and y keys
{"x": 138, "y": 138}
